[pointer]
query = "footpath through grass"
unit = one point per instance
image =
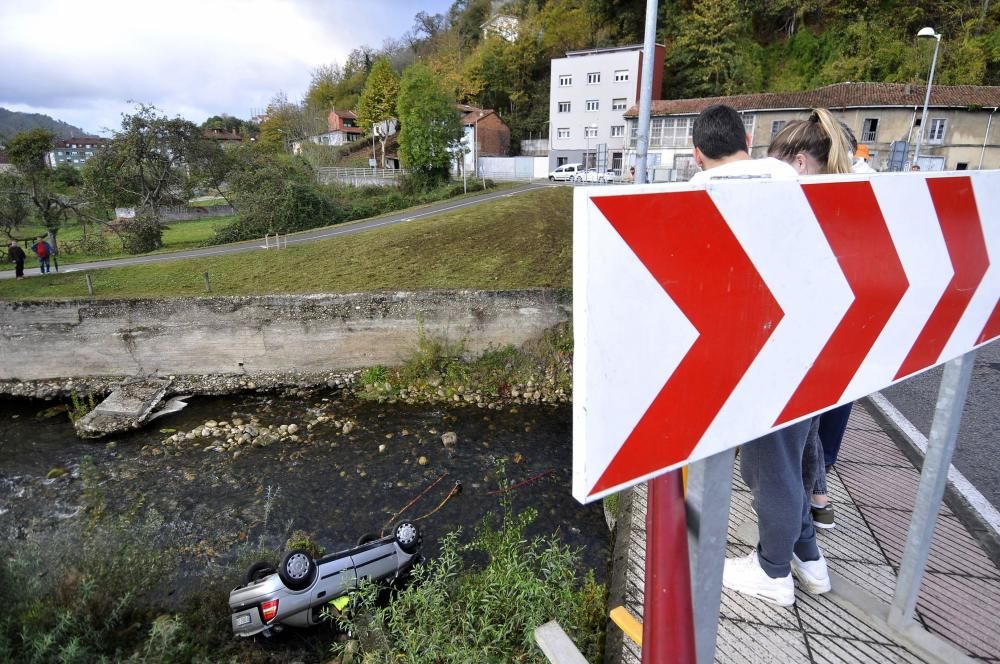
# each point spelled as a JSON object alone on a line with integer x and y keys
{"x": 524, "y": 241}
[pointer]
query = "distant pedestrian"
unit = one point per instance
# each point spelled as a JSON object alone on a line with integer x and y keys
{"x": 861, "y": 160}
{"x": 16, "y": 256}
{"x": 915, "y": 167}
{"x": 43, "y": 250}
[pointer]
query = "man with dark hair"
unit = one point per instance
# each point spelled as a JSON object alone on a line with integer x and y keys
{"x": 772, "y": 464}
{"x": 720, "y": 148}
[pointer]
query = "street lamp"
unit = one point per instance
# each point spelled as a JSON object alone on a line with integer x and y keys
{"x": 926, "y": 33}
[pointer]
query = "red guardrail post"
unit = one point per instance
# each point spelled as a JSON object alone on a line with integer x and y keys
{"x": 667, "y": 619}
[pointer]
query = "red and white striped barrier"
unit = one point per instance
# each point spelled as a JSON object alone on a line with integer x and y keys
{"x": 708, "y": 315}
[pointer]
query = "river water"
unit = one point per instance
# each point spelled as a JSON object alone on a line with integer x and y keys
{"x": 335, "y": 485}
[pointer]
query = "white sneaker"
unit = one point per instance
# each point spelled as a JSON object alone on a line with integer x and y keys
{"x": 745, "y": 575}
{"x": 812, "y": 574}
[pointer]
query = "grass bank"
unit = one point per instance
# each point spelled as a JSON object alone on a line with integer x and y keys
{"x": 523, "y": 241}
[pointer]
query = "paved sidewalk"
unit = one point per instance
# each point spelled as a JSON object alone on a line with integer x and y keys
{"x": 873, "y": 487}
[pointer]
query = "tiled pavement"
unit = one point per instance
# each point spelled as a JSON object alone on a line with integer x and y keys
{"x": 874, "y": 488}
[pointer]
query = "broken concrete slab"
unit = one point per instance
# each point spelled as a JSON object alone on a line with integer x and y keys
{"x": 127, "y": 407}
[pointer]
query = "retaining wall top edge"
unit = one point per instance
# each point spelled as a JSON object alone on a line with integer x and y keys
{"x": 557, "y": 293}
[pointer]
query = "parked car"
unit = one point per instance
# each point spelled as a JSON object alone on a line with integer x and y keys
{"x": 593, "y": 175}
{"x": 566, "y": 172}
{"x": 296, "y": 592}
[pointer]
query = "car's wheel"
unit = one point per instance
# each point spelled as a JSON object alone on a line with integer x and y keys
{"x": 258, "y": 571}
{"x": 367, "y": 537}
{"x": 297, "y": 569}
{"x": 551, "y": 179}
{"x": 408, "y": 536}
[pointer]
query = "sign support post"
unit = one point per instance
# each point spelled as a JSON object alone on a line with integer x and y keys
{"x": 933, "y": 476}
{"x": 709, "y": 487}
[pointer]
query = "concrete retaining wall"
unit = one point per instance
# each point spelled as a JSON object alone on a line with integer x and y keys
{"x": 41, "y": 340}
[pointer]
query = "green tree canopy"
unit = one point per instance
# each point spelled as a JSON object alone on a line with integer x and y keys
{"x": 429, "y": 125}
{"x": 378, "y": 100}
{"x": 48, "y": 195}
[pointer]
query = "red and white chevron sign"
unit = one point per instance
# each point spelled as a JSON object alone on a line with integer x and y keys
{"x": 708, "y": 315}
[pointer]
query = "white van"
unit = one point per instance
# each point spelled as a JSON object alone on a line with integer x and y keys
{"x": 568, "y": 172}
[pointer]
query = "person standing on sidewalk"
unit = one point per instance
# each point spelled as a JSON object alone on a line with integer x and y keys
{"x": 43, "y": 251}
{"x": 17, "y": 257}
{"x": 772, "y": 464}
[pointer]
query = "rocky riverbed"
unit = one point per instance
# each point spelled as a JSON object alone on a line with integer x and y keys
{"x": 321, "y": 459}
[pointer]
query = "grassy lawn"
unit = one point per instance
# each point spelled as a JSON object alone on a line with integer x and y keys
{"x": 519, "y": 242}
{"x": 178, "y": 235}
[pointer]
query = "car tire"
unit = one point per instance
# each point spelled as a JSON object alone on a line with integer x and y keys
{"x": 297, "y": 569}
{"x": 408, "y": 536}
{"x": 551, "y": 179}
{"x": 367, "y": 537}
{"x": 258, "y": 571}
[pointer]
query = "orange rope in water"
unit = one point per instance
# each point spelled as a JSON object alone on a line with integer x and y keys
{"x": 410, "y": 504}
{"x": 530, "y": 480}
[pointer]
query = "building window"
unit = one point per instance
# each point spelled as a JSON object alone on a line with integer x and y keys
{"x": 618, "y": 104}
{"x": 962, "y": 166}
{"x": 562, "y": 132}
{"x": 565, "y": 80}
{"x": 617, "y": 131}
{"x": 936, "y": 132}
{"x": 670, "y": 132}
{"x": 869, "y": 130}
{"x": 594, "y": 77}
{"x": 560, "y": 161}
{"x": 748, "y": 124}
{"x": 590, "y": 132}
{"x": 593, "y": 105}
{"x": 776, "y": 127}
{"x": 564, "y": 107}
{"x": 621, "y": 75}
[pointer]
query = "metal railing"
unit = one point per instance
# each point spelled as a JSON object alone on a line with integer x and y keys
{"x": 359, "y": 176}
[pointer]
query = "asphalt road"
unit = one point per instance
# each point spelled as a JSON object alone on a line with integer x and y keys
{"x": 297, "y": 238}
{"x": 977, "y": 453}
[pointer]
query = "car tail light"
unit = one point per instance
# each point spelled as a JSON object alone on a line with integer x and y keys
{"x": 269, "y": 609}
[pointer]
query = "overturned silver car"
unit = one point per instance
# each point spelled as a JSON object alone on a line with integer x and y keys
{"x": 295, "y": 593}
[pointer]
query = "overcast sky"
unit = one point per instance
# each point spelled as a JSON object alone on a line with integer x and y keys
{"x": 80, "y": 61}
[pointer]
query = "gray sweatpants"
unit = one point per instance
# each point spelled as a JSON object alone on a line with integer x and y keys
{"x": 772, "y": 468}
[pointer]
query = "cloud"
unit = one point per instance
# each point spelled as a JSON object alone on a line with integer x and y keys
{"x": 81, "y": 61}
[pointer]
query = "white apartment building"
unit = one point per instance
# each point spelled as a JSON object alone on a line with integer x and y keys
{"x": 588, "y": 96}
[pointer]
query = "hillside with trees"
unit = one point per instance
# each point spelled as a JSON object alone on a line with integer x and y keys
{"x": 15, "y": 122}
{"x": 713, "y": 47}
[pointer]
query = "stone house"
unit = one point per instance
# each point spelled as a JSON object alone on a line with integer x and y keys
{"x": 959, "y": 135}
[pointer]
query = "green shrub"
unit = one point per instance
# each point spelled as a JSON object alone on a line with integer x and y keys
{"x": 140, "y": 234}
{"x": 451, "y": 613}
{"x": 81, "y": 595}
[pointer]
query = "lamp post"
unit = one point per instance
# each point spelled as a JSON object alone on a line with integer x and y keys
{"x": 926, "y": 33}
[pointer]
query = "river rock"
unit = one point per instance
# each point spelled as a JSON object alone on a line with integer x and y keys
{"x": 382, "y": 447}
{"x": 422, "y": 461}
{"x": 348, "y": 427}
{"x": 292, "y": 428}
{"x": 211, "y": 424}
{"x": 449, "y": 439}
{"x": 237, "y": 422}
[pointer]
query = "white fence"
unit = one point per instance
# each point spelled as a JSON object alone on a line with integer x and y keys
{"x": 360, "y": 177}
{"x": 513, "y": 168}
